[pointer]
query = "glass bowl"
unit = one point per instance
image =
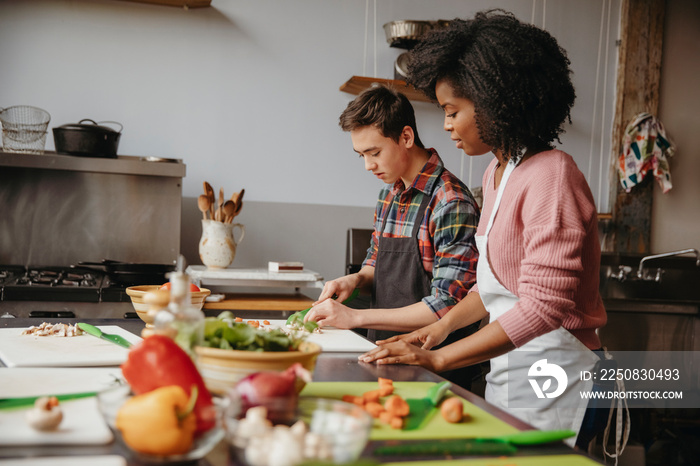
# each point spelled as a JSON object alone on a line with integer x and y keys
{"x": 110, "y": 400}
{"x": 334, "y": 431}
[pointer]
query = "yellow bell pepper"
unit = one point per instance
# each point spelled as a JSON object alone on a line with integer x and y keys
{"x": 160, "y": 422}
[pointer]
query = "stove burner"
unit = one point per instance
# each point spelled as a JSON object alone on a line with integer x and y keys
{"x": 53, "y": 284}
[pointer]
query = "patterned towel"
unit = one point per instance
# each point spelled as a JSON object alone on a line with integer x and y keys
{"x": 645, "y": 147}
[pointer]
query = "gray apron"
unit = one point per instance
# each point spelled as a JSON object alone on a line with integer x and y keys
{"x": 400, "y": 280}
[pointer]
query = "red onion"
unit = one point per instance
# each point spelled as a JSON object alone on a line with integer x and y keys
{"x": 277, "y": 391}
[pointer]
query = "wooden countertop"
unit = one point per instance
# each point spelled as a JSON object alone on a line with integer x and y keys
{"x": 261, "y": 302}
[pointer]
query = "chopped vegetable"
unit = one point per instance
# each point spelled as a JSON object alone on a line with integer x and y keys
{"x": 452, "y": 410}
{"x": 46, "y": 414}
{"x": 277, "y": 391}
{"x": 228, "y": 333}
{"x": 160, "y": 422}
{"x": 374, "y": 408}
{"x": 193, "y": 287}
{"x": 397, "y": 406}
{"x": 158, "y": 361}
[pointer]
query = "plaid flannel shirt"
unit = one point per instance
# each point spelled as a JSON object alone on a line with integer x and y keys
{"x": 446, "y": 237}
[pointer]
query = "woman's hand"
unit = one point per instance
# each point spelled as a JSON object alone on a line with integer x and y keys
{"x": 401, "y": 352}
{"x": 426, "y": 337}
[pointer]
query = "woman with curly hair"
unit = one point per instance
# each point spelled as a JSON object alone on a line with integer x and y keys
{"x": 505, "y": 88}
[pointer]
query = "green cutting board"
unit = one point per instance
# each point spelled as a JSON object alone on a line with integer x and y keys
{"x": 554, "y": 460}
{"x": 481, "y": 423}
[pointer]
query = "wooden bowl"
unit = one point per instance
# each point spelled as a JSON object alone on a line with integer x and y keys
{"x": 137, "y": 294}
{"x": 221, "y": 369}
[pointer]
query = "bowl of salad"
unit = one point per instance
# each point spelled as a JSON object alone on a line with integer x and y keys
{"x": 233, "y": 349}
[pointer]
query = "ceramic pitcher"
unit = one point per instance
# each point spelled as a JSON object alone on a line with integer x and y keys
{"x": 217, "y": 247}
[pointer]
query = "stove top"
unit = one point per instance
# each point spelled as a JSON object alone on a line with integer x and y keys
{"x": 57, "y": 283}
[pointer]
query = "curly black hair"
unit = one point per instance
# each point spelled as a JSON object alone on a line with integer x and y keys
{"x": 517, "y": 76}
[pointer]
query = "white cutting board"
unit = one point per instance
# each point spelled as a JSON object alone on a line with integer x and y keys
{"x": 17, "y": 350}
{"x": 82, "y": 425}
{"x": 335, "y": 340}
{"x": 20, "y": 382}
{"x": 106, "y": 460}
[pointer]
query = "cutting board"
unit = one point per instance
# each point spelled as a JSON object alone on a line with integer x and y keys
{"x": 540, "y": 460}
{"x": 106, "y": 460}
{"x": 481, "y": 424}
{"x": 82, "y": 425}
{"x": 18, "y": 350}
{"x": 19, "y": 382}
{"x": 335, "y": 340}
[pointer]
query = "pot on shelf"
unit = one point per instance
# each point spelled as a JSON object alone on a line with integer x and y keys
{"x": 87, "y": 139}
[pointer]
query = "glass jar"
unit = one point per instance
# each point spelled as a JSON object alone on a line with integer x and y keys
{"x": 181, "y": 320}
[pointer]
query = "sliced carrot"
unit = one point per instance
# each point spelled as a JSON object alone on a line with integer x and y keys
{"x": 372, "y": 395}
{"x": 396, "y": 422}
{"x": 383, "y": 381}
{"x": 385, "y": 417}
{"x": 254, "y": 323}
{"x": 353, "y": 399}
{"x": 397, "y": 406}
{"x": 266, "y": 322}
{"x": 374, "y": 409}
{"x": 386, "y": 390}
{"x": 238, "y": 319}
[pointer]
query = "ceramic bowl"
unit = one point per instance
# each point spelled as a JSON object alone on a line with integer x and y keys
{"x": 337, "y": 433}
{"x": 221, "y": 369}
{"x": 137, "y": 293}
{"x": 110, "y": 400}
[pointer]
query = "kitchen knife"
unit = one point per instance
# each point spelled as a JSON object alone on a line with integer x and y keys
{"x": 8, "y": 403}
{"x": 422, "y": 409}
{"x": 299, "y": 315}
{"x": 92, "y": 330}
{"x": 504, "y": 444}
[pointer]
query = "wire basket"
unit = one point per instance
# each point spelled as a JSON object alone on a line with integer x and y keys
{"x": 24, "y": 129}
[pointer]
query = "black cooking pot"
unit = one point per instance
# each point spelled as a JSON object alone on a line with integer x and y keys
{"x": 87, "y": 139}
{"x": 130, "y": 273}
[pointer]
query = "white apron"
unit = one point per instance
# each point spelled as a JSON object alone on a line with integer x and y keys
{"x": 564, "y": 412}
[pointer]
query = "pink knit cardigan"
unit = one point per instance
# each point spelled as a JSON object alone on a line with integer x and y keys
{"x": 543, "y": 247}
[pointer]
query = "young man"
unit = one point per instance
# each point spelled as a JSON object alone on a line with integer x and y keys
{"x": 422, "y": 258}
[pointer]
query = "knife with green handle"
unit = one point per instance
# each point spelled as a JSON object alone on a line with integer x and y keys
{"x": 504, "y": 444}
{"x": 94, "y": 331}
{"x": 299, "y": 315}
{"x": 422, "y": 409}
{"x": 9, "y": 403}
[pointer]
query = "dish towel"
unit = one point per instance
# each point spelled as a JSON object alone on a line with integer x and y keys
{"x": 645, "y": 147}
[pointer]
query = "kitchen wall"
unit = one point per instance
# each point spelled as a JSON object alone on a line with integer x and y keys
{"x": 246, "y": 94}
{"x": 676, "y": 215}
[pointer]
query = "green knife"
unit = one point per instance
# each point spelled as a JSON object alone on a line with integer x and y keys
{"x": 422, "y": 409}
{"x": 503, "y": 444}
{"x": 116, "y": 339}
{"x": 299, "y": 315}
{"x": 8, "y": 403}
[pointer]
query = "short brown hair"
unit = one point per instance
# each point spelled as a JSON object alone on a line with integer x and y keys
{"x": 384, "y": 108}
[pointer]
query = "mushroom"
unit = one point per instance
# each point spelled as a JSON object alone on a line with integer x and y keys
{"x": 46, "y": 414}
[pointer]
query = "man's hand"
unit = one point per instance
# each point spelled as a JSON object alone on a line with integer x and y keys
{"x": 331, "y": 313}
{"x": 340, "y": 288}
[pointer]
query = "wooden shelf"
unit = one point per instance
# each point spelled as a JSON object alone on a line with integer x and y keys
{"x": 178, "y": 3}
{"x": 357, "y": 84}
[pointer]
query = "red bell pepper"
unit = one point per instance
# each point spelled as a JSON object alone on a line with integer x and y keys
{"x": 157, "y": 362}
